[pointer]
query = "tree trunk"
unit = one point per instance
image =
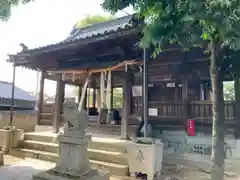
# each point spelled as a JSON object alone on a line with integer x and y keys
{"x": 218, "y": 154}
{"x": 237, "y": 106}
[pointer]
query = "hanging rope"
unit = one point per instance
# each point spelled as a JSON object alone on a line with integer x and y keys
{"x": 80, "y": 71}
{"x": 84, "y": 91}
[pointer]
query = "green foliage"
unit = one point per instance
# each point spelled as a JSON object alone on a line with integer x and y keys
{"x": 5, "y": 7}
{"x": 229, "y": 91}
{"x": 92, "y": 19}
{"x": 212, "y": 24}
{"x": 117, "y": 97}
{"x": 185, "y": 22}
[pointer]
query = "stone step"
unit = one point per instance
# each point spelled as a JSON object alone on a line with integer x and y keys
{"x": 41, "y": 146}
{"x": 95, "y": 154}
{"x": 96, "y": 143}
{"x": 114, "y": 177}
{"x": 116, "y": 169}
{"x": 109, "y": 144}
{"x": 39, "y": 137}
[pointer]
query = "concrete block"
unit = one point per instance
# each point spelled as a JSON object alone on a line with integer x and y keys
{"x": 10, "y": 138}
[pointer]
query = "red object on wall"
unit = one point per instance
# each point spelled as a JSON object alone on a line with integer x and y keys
{"x": 191, "y": 127}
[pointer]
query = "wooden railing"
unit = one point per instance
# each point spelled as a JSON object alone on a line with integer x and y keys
{"x": 48, "y": 108}
{"x": 168, "y": 108}
{"x": 201, "y": 110}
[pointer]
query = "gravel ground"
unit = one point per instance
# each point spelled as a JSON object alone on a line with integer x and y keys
{"x": 180, "y": 172}
{"x": 24, "y": 168}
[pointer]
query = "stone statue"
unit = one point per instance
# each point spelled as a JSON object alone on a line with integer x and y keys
{"x": 75, "y": 120}
{"x": 73, "y": 162}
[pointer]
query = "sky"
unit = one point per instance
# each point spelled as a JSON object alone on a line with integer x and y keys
{"x": 37, "y": 24}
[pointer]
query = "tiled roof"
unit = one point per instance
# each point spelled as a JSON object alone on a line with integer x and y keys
{"x": 101, "y": 28}
{"x": 19, "y": 94}
{"x": 90, "y": 32}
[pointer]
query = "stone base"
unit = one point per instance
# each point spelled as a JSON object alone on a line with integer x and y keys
{"x": 53, "y": 175}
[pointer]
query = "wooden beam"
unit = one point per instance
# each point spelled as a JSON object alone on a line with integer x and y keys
{"x": 97, "y": 70}
{"x": 74, "y": 44}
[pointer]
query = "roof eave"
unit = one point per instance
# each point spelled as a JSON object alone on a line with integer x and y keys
{"x": 60, "y": 46}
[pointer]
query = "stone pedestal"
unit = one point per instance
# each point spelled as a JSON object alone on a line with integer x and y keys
{"x": 10, "y": 138}
{"x": 73, "y": 163}
{"x": 145, "y": 156}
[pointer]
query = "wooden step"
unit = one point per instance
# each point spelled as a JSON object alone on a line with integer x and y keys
{"x": 116, "y": 169}
{"x": 95, "y": 154}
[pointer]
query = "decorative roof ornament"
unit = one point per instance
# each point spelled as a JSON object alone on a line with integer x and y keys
{"x": 24, "y": 47}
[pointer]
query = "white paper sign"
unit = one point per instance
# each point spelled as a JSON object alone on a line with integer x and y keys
{"x": 153, "y": 112}
{"x": 137, "y": 91}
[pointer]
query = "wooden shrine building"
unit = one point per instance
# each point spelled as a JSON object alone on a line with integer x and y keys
{"x": 107, "y": 54}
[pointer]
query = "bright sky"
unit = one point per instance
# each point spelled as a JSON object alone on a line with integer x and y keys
{"x": 37, "y": 24}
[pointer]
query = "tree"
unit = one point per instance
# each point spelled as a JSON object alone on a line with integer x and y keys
{"x": 89, "y": 20}
{"x": 5, "y": 7}
{"x": 92, "y": 19}
{"x": 203, "y": 23}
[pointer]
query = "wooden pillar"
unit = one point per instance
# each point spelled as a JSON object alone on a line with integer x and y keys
{"x": 40, "y": 97}
{"x": 202, "y": 95}
{"x": 176, "y": 89}
{"x": 85, "y": 99}
{"x": 111, "y": 101}
{"x": 88, "y": 99}
{"x": 127, "y": 92}
{"x": 206, "y": 91}
{"x": 185, "y": 100}
{"x": 62, "y": 97}
{"x": 94, "y": 97}
{"x": 58, "y": 105}
{"x": 102, "y": 103}
{"x": 109, "y": 98}
{"x": 237, "y": 107}
{"x": 13, "y": 92}
{"x": 145, "y": 91}
{"x": 79, "y": 93}
{"x": 98, "y": 98}
{"x": 102, "y": 90}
